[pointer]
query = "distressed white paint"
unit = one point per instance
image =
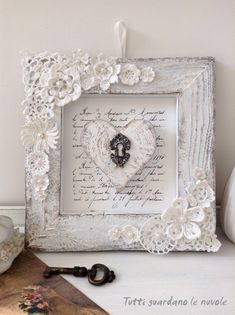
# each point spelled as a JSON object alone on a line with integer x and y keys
{"x": 192, "y": 79}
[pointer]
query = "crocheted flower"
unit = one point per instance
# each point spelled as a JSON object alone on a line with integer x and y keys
{"x": 40, "y": 195}
{"x": 34, "y": 65}
{"x": 35, "y": 107}
{"x": 40, "y": 182}
{"x": 130, "y": 234}
{"x": 80, "y": 58}
{"x": 199, "y": 174}
{"x": 61, "y": 84}
{"x": 129, "y": 74}
{"x": 200, "y": 194}
{"x": 182, "y": 221}
{"x": 40, "y": 134}
{"x": 88, "y": 79}
{"x": 37, "y": 163}
{"x": 153, "y": 236}
{"x": 147, "y": 74}
{"x": 114, "y": 234}
{"x": 106, "y": 71}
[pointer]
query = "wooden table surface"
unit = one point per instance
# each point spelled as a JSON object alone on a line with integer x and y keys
{"x": 24, "y": 290}
{"x": 179, "y": 283}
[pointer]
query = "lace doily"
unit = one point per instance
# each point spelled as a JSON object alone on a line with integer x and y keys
{"x": 153, "y": 239}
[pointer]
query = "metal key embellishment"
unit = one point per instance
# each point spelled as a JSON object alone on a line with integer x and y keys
{"x": 108, "y": 275}
{"x": 120, "y": 144}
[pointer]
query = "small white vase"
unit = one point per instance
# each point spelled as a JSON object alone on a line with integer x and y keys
{"x": 228, "y": 208}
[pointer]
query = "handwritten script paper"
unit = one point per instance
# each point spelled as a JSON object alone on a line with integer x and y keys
{"x": 86, "y": 189}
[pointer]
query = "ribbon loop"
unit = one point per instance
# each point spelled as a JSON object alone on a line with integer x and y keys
{"x": 120, "y": 38}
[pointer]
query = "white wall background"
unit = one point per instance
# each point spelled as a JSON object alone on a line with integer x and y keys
{"x": 157, "y": 28}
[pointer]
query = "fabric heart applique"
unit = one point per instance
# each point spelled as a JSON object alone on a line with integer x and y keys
{"x": 120, "y": 154}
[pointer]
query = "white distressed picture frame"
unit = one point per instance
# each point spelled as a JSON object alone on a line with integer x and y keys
{"x": 192, "y": 80}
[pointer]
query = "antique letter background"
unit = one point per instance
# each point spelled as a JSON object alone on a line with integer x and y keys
{"x": 86, "y": 189}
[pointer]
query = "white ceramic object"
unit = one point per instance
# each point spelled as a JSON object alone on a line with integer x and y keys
{"x": 11, "y": 243}
{"x": 228, "y": 208}
{"x": 6, "y": 229}
{"x": 96, "y": 139}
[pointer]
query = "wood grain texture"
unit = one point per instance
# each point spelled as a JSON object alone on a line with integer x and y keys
{"x": 62, "y": 297}
{"x": 192, "y": 80}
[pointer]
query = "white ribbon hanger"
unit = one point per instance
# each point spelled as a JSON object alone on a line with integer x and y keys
{"x": 120, "y": 33}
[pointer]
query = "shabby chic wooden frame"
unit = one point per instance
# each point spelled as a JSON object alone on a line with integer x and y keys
{"x": 192, "y": 80}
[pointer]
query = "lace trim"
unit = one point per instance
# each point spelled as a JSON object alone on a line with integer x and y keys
{"x": 52, "y": 81}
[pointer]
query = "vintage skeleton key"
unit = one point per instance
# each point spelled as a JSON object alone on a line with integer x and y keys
{"x": 108, "y": 275}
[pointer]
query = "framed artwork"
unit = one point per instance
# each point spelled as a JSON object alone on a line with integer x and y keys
{"x": 112, "y": 145}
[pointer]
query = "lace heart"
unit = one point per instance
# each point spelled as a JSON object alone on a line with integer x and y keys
{"x": 96, "y": 140}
